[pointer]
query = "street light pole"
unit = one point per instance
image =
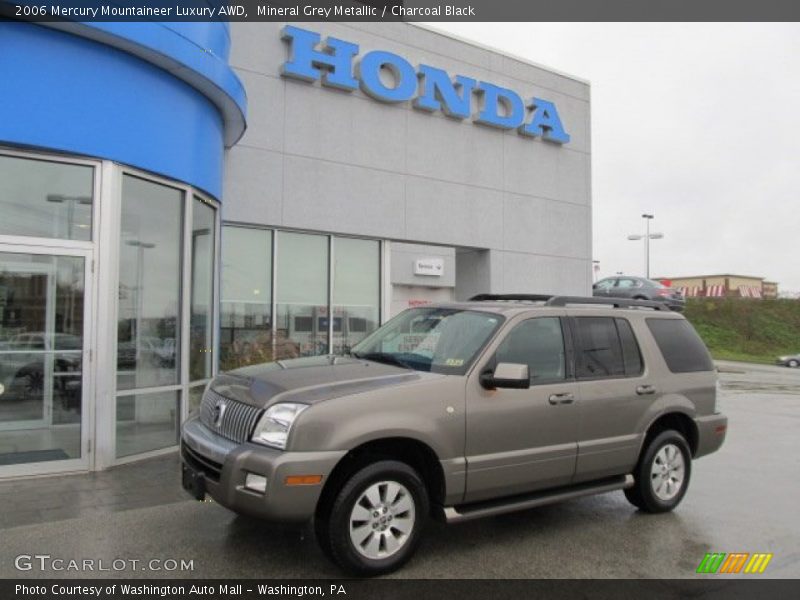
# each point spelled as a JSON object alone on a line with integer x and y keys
{"x": 647, "y": 219}
{"x": 647, "y": 237}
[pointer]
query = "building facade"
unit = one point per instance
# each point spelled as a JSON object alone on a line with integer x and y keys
{"x": 724, "y": 285}
{"x": 183, "y": 197}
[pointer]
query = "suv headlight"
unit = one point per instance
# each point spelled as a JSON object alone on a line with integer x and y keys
{"x": 275, "y": 424}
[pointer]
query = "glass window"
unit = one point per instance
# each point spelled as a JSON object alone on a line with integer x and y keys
{"x": 45, "y": 199}
{"x": 604, "y": 284}
{"x": 682, "y": 348}
{"x": 246, "y": 306}
{"x": 628, "y": 283}
{"x": 149, "y": 285}
{"x": 440, "y": 340}
{"x": 538, "y": 343}
{"x": 356, "y": 291}
{"x": 147, "y": 422}
{"x": 41, "y": 345}
{"x": 201, "y": 338}
{"x": 196, "y": 397}
{"x": 599, "y": 352}
{"x": 302, "y": 293}
{"x": 630, "y": 348}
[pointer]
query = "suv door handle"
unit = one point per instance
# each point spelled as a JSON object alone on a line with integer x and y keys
{"x": 566, "y": 398}
{"x": 645, "y": 390}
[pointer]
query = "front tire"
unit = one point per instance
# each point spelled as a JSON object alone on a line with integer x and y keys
{"x": 793, "y": 364}
{"x": 375, "y": 520}
{"x": 662, "y": 475}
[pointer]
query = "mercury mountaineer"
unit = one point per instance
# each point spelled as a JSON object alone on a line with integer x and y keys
{"x": 460, "y": 411}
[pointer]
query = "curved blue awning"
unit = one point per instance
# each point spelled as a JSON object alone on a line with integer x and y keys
{"x": 197, "y": 53}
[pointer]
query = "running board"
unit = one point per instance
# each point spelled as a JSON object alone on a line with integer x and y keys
{"x": 467, "y": 512}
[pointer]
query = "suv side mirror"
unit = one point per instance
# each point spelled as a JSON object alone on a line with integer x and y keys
{"x": 507, "y": 375}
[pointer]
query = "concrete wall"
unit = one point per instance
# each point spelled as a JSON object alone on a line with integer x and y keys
{"x": 320, "y": 159}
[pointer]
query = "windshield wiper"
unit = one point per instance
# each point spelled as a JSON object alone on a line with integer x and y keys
{"x": 383, "y": 357}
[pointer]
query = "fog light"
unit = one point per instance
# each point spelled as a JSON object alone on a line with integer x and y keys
{"x": 256, "y": 483}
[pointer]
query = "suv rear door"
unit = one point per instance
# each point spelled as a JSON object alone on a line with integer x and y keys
{"x": 520, "y": 440}
{"x": 614, "y": 391}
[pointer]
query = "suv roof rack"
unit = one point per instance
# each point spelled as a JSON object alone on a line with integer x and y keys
{"x": 565, "y": 300}
{"x": 511, "y": 297}
{"x": 615, "y": 302}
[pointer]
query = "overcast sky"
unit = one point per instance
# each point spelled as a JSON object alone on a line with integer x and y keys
{"x": 698, "y": 124}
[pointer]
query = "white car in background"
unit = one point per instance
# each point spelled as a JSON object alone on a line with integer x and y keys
{"x": 792, "y": 360}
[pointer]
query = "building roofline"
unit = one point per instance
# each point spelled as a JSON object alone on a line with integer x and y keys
{"x": 715, "y": 275}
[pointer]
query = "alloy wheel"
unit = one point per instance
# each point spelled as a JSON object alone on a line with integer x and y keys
{"x": 382, "y": 520}
{"x": 667, "y": 472}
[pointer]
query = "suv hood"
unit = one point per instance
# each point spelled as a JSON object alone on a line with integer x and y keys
{"x": 310, "y": 380}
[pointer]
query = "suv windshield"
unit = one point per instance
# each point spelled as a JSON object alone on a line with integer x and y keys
{"x": 440, "y": 340}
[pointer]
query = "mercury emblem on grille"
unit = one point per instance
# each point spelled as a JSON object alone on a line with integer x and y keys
{"x": 219, "y": 412}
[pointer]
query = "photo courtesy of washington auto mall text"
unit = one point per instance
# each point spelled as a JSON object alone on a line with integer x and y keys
{"x": 177, "y": 590}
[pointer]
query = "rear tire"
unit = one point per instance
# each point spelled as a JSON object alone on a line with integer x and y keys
{"x": 793, "y": 364}
{"x": 662, "y": 475}
{"x": 376, "y": 519}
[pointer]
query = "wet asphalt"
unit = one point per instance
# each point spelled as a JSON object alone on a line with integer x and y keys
{"x": 741, "y": 499}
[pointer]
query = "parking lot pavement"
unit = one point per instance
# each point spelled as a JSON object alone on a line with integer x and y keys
{"x": 742, "y": 499}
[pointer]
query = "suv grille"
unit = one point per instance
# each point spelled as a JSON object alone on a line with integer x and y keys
{"x": 229, "y": 418}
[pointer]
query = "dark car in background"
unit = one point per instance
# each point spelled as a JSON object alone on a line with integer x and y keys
{"x": 639, "y": 288}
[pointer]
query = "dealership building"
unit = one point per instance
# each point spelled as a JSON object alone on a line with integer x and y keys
{"x": 178, "y": 198}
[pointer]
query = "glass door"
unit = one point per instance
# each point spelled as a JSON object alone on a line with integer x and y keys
{"x": 44, "y": 383}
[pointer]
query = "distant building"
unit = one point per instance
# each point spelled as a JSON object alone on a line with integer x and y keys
{"x": 769, "y": 289}
{"x": 724, "y": 285}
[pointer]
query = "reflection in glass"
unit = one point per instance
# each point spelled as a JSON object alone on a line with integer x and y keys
{"x": 195, "y": 398}
{"x": 356, "y": 291}
{"x": 201, "y": 333}
{"x": 246, "y": 307}
{"x": 149, "y": 284}
{"x": 41, "y": 344}
{"x": 45, "y": 199}
{"x": 302, "y": 295}
{"x": 147, "y": 422}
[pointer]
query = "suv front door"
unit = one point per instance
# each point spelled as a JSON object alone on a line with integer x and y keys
{"x": 521, "y": 440}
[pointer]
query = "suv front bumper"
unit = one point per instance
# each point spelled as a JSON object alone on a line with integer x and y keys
{"x": 217, "y": 466}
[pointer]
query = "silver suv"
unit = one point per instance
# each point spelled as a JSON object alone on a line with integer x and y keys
{"x": 460, "y": 411}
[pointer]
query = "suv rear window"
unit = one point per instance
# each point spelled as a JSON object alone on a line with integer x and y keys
{"x": 682, "y": 348}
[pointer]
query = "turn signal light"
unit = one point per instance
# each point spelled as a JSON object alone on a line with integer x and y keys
{"x": 303, "y": 479}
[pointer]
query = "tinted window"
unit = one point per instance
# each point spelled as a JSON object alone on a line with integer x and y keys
{"x": 539, "y": 344}
{"x": 628, "y": 283}
{"x": 682, "y": 348}
{"x": 604, "y": 284}
{"x": 631, "y": 355}
{"x": 599, "y": 352}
